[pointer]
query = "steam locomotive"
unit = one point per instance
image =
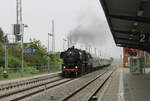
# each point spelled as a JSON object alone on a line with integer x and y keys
{"x": 78, "y": 62}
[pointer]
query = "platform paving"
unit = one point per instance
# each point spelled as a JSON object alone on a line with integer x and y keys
{"x": 136, "y": 87}
{"x": 128, "y": 87}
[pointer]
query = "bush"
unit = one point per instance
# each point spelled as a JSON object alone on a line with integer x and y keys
{"x": 55, "y": 62}
{"x": 14, "y": 62}
{"x": 31, "y": 70}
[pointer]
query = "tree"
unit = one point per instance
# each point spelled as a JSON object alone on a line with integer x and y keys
{"x": 1, "y": 57}
{"x": 40, "y": 56}
{"x": 1, "y": 48}
{"x": 1, "y": 36}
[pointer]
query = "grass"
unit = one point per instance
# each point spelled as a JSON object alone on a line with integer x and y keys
{"x": 26, "y": 74}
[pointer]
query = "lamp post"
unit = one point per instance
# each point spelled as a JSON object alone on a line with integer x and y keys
{"x": 22, "y": 46}
{"x": 64, "y": 40}
{"x": 53, "y": 34}
{"x": 48, "y": 62}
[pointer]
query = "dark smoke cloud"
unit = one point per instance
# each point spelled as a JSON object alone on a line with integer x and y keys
{"x": 91, "y": 30}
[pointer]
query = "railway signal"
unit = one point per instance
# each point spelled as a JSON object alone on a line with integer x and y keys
{"x": 17, "y": 31}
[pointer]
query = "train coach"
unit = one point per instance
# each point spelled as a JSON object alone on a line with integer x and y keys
{"x": 79, "y": 62}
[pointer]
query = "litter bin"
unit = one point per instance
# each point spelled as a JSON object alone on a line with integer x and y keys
{"x": 5, "y": 74}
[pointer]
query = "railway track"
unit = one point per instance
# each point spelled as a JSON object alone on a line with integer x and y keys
{"x": 28, "y": 88}
{"x": 85, "y": 93}
{"x": 13, "y": 84}
{"x": 88, "y": 91}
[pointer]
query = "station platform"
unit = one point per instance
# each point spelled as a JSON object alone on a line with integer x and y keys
{"x": 128, "y": 87}
{"x": 136, "y": 86}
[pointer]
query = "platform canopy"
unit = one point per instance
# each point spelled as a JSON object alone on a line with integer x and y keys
{"x": 129, "y": 21}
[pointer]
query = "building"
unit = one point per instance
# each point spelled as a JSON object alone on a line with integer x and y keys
{"x": 129, "y": 52}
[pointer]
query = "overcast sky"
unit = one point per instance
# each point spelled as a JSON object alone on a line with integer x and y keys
{"x": 68, "y": 14}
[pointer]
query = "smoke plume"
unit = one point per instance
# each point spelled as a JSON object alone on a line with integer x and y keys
{"x": 92, "y": 29}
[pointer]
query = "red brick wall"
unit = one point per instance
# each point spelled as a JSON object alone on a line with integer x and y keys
{"x": 128, "y": 52}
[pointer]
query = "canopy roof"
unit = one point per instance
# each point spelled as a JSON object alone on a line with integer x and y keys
{"x": 127, "y": 20}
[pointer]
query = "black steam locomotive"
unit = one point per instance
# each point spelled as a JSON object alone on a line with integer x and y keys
{"x": 78, "y": 62}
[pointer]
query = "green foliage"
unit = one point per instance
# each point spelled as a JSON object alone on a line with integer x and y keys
{"x": 36, "y": 44}
{"x": 1, "y": 57}
{"x": 40, "y": 57}
{"x": 14, "y": 75}
{"x": 56, "y": 62}
{"x": 33, "y": 63}
{"x": 31, "y": 70}
{"x": 14, "y": 62}
{"x": 1, "y": 36}
{"x": 18, "y": 37}
{"x": 37, "y": 59}
{"x": 1, "y": 48}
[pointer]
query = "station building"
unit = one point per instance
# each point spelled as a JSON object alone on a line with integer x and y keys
{"x": 130, "y": 52}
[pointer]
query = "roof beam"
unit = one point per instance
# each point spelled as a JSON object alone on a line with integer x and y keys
{"x": 136, "y": 44}
{"x": 135, "y": 47}
{"x": 130, "y": 44}
{"x": 124, "y": 31}
{"x": 131, "y": 18}
{"x": 127, "y": 40}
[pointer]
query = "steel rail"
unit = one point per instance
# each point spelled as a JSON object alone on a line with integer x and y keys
{"x": 84, "y": 86}
{"x": 19, "y": 91}
{"x": 25, "y": 82}
{"x": 101, "y": 86}
{"x": 38, "y": 91}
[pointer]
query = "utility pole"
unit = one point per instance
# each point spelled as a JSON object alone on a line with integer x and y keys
{"x": 6, "y": 53}
{"x": 99, "y": 53}
{"x": 53, "y": 38}
{"x": 69, "y": 40}
{"x": 63, "y": 44}
{"x": 64, "y": 40}
{"x": 48, "y": 53}
{"x": 89, "y": 50}
{"x": 95, "y": 51}
{"x": 17, "y": 11}
{"x": 19, "y": 21}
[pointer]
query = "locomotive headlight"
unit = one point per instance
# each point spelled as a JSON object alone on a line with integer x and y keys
{"x": 76, "y": 66}
{"x": 64, "y": 67}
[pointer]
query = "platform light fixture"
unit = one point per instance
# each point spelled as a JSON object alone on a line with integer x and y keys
{"x": 140, "y": 13}
{"x": 135, "y": 23}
